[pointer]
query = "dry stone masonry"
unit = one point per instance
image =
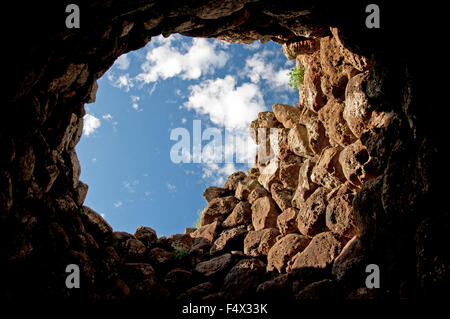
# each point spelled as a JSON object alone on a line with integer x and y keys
{"x": 356, "y": 180}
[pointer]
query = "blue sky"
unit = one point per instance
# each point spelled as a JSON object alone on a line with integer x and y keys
{"x": 125, "y": 151}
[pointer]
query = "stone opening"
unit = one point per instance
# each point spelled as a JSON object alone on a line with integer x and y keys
{"x": 43, "y": 228}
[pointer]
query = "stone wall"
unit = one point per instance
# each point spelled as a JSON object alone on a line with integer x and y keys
{"x": 363, "y": 139}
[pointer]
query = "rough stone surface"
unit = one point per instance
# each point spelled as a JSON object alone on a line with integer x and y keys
{"x": 283, "y": 251}
{"x": 328, "y": 172}
{"x": 208, "y": 232}
{"x": 230, "y": 239}
{"x": 214, "y": 192}
{"x": 242, "y": 279}
{"x": 357, "y": 110}
{"x": 245, "y": 187}
{"x": 241, "y": 215}
{"x": 289, "y": 170}
{"x": 214, "y": 266}
{"x": 298, "y": 141}
{"x": 287, "y": 221}
{"x": 264, "y": 213}
{"x": 311, "y": 216}
{"x": 218, "y": 209}
{"x": 146, "y": 235}
{"x": 233, "y": 181}
{"x": 354, "y": 159}
{"x": 258, "y": 242}
{"x": 331, "y": 115}
{"x": 351, "y": 262}
{"x": 288, "y": 115}
{"x": 320, "y": 253}
{"x": 339, "y": 213}
{"x": 281, "y": 196}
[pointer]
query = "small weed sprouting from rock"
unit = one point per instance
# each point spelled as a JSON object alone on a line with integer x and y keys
{"x": 197, "y": 221}
{"x": 180, "y": 253}
{"x": 296, "y": 77}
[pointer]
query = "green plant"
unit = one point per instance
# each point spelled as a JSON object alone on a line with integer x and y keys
{"x": 81, "y": 210}
{"x": 181, "y": 253}
{"x": 197, "y": 221}
{"x": 296, "y": 77}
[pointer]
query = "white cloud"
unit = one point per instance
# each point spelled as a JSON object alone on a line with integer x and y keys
{"x": 117, "y": 204}
{"x": 225, "y": 104}
{"x": 166, "y": 61}
{"x": 129, "y": 186}
{"x": 171, "y": 187}
{"x": 183, "y": 120}
{"x": 124, "y": 81}
{"x": 107, "y": 117}
{"x": 218, "y": 174}
{"x": 91, "y": 123}
{"x": 94, "y": 160}
{"x": 255, "y": 45}
{"x": 123, "y": 62}
{"x": 135, "y": 100}
{"x": 258, "y": 68}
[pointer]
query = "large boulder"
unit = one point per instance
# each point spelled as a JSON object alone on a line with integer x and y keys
{"x": 287, "y": 221}
{"x": 213, "y": 192}
{"x": 320, "y": 253}
{"x": 281, "y": 196}
{"x": 269, "y": 173}
{"x": 218, "y": 209}
{"x": 288, "y": 115}
{"x": 128, "y": 247}
{"x": 208, "y": 232}
{"x": 357, "y": 111}
{"x": 317, "y": 136}
{"x": 311, "y": 217}
{"x": 264, "y": 213}
{"x": 305, "y": 185}
{"x": 289, "y": 169}
{"x": 233, "y": 181}
{"x": 230, "y": 239}
{"x": 242, "y": 280}
{"x": 215, "y": 266}
{"x": 298, "y": 141}
{"x": 95, "y": 223}
{"x": 331, "y": 115}
{"x": 241, "y": 215}
{"x": 258, "y": 242}
{"x": 257, "y": 193}
{"x": 146, "y": 235}
{"x": 328, "y": 171}
{"x": 311, "y": 94}
{"x": 353, "y": 159}
{"x": 180, "y": 241}
{"x": 339, "y": 213}
{"x": 245, "y": 187}
{"x": 265, "y": 120}
{"x": 349, "y": 266}
{"x": 177, "y": 280}
{"x": 283, "y": 251}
